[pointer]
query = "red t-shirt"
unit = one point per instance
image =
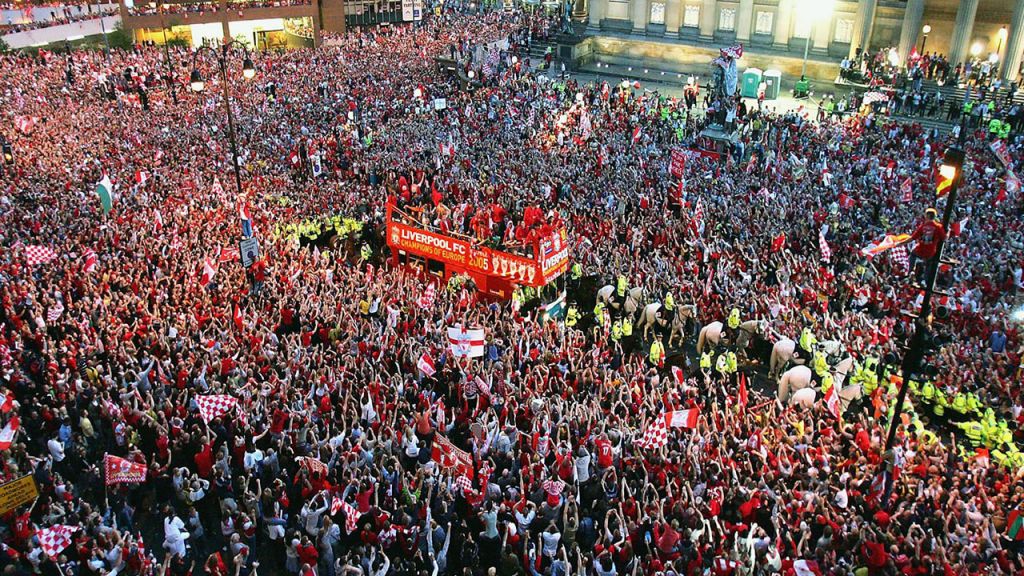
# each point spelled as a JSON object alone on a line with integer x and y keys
{"x": 604, "y": 452}
{"x": 928, "y": 235}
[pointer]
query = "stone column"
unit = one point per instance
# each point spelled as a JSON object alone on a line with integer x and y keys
{"x": 597, "y": 11}
{"x": 708, "y": 18}
{"x": 821, "y": 34}
{"x": 674, "y": 16}
{"x": 579, "y": 10}
{"x": 863, "y": 26}
{"x": 912, "y": 16}
{"x": 640, "y": 13}
{"x": 744, "y": 20}
{"x": 962, "y": 31}
{"x": 1014, "y": 43}
{"x": 783, "y": 24}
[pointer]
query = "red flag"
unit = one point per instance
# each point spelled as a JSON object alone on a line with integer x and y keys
{"x": 426, "y": 365}
{"x": 677, "y": 374}
{"x": 682, "y": 418}
{"x": 9, "y": 432}
{"x": 742, "y": 394}
{"x": 957, "y": 228}
{"x": 8, "y": 404}
{"x": 832, "y": 402}
{"x": 845, "y": 201}
{"x": 1002, "y": 195}
{"x": 778, "y": 242}
{"x": 121, "y": 471}
{"x": 209, "y": 271}
{"x": 237, "y": 317}
{"x": 907, "y": 188}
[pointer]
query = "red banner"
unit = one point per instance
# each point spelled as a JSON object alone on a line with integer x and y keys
{"x": 552, "y": 259}
{"x": 678, "y": 162}
{"x": 448, "y": 455}
{"x": 121, "y": 471}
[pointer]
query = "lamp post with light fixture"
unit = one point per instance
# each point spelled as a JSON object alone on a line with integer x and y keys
{"x": 924, "y": 37}
{"x": 817, "y": 10}
{"x": 951, "y": 172}
{"x": 197, "y": 84}
{"x": 167, "y": 52}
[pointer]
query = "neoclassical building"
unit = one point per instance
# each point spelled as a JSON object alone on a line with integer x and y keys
{"x": 775, "y": 32}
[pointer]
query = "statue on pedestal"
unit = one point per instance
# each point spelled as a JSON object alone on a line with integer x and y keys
{"x": 726, "y": 78}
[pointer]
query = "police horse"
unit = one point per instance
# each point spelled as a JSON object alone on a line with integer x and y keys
{"x": 651, "y": 317}
{"x": 796, "y": 385}
{"x": 634, "y": 296}
{"x": 712, "y": 334}
{"x": 784, "y": 353}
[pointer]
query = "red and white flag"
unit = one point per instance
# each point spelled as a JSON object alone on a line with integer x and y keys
{"x": 36, "y": 255}
{"x": 54, "y": 312}
{"x": 312, "y": 465}
{"x": 9, "y": 432}
{"x": 957, "y": 228}
{"x": 426, "y": 365}
{"x": 215, "y": 405}
{"x": 25, "y": 123}
{"x": 832, "y": 402}
{"x": 209, "y": 271}
{"x": 335, "y": 504}
{"x": 8, "y": 403}
{"x": 121, "y": 471}
{"x": 56, "y": 538}
{"x": 682, "y": 418}
{"x": 806, "y": 568}
{"x": 901, "y": 258}
{"x": 742, "y": 395}
{"x": 217, "y": 189}
{"x": 158, "y": 221}
{"x": 826, "y": 252}
{"x": 141, "y": 176}
{"x": 89, "y": 260}
{"x": 677, "y": 375}
{"x": 427, "y": 299}
{"x": 655, "y": 436}
{"x": 237, "y": 318}
{"x": 351, "y": 517}
{"x": 907, "y": 191}
{"x": 466, "y": 342}
{"x": 637, "y": 132}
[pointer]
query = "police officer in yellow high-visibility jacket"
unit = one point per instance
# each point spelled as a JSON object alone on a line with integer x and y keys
{"x": 621, "y": 286}
{"x": 572, "y": 316}
{"x": 670, "y": 303}
{"x": 705, "y": 362}
{"x": 617, "y": 330}
{"x": 657, "y": 355}
{"x": 726, "y": 364}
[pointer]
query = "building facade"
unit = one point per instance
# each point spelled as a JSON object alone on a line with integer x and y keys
{"x": 778, "y": 31}
{"x": 260, "y": 24}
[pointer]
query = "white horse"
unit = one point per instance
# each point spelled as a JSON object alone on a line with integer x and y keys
{"x": 712, "y": 334}
{"x": 784, "y": 350}
{"x": 649, "y": 319}
{"x": 634, "y": 296}
{"x": 799, "y": 377}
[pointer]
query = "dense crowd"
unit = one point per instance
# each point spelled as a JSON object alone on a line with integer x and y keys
{"x": 356, "y": 440}
{"x": 53, "y": 15}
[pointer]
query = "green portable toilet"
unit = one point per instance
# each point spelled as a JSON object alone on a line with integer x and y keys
{"x": 772, "y": 84}
{"x": 751, "y": 80}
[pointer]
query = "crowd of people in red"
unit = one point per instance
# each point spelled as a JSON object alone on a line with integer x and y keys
{"x": 309, "y": 415}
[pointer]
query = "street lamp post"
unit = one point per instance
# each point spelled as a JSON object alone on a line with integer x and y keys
{"x": 951, "y": 170}
{"x": 816, "y": 10}
{"x": 167, "y": 53}
{"x": 924, "y": 37}
{"x": 197, "y": 84}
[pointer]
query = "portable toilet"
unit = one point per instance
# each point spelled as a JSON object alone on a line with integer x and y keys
{"x": 751, "y": 80}
{"x": 772, "y": 84}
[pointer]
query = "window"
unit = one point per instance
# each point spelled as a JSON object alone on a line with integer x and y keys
{"x": 763, "y": 24}
{"x": 844, "y": 31}
{"x": 691, "y": 16}
{"x": 727, "y": 20}
{"x": 657, "y": 12}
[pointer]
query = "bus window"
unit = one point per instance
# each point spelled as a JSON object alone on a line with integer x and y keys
{"x": 436, "y": 268}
